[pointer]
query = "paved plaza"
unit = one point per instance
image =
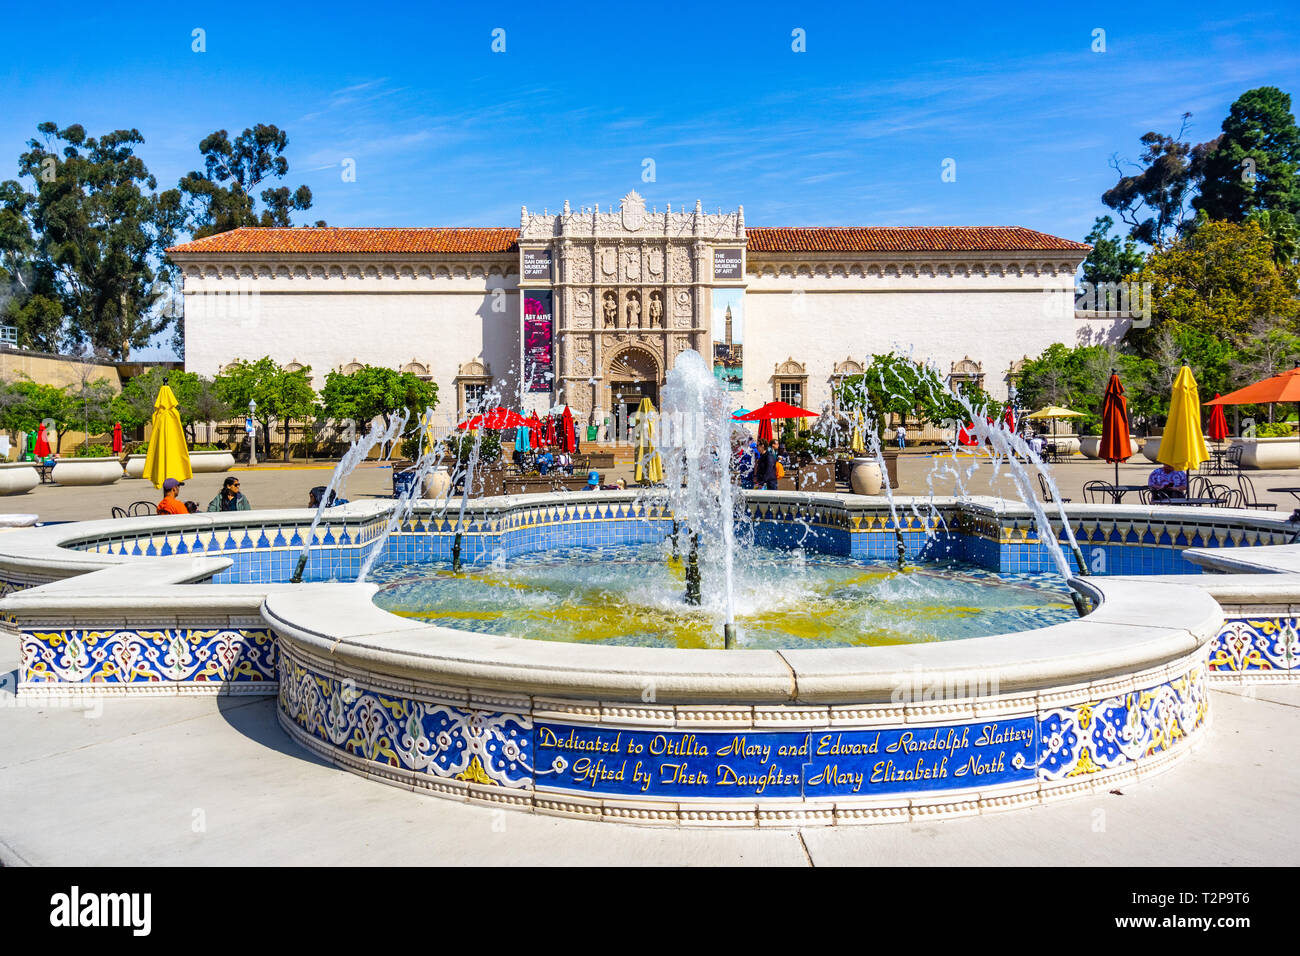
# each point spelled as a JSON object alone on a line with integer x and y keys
{"x": 276, "y": 485}
{"x": 175, "y": 780}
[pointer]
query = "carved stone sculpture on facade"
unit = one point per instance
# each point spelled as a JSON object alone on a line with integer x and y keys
{"x": 611, "y": 310}
{"x": 656, "y": 311}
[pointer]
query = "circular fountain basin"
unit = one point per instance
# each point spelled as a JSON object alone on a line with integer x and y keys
{"x": 633, "y": 596}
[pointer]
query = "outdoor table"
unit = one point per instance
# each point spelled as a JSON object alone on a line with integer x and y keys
{"x": 46, "y": 471}
{"x": 1293, "y": 492}
{"x": 1210, "y": 502}
{"x": 1117, "y": 492}
{"x": 1217, "y": 464}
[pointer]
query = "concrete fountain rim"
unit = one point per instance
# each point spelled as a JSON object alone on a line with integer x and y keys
{"x": 1139, "y": 624}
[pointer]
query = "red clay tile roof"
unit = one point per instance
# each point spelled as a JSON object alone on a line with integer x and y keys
{"x": 492, "y": 239}
{"x": 907, "y": 239}
{"x": 327, "y": 239}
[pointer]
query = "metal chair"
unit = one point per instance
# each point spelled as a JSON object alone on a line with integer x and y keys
{"x": 141, "y": 509}
{"x": 1200, "y": 487}
{"x": 1248, "y": 499}
{"x": 1234, "y": 457}
{"x": 1047, "y": 490}
{"x": 1098, "y": 492}
{"x": 1228, "y": 497}
{"x": 117, "y": 512}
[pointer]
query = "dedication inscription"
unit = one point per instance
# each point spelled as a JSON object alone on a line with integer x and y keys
{"x": 818, "y": 763}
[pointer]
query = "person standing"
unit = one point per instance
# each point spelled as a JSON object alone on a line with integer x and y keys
{"x": 765, "y": 468}
{"x": 901, "y": 435}
{"x": 171, "y": 503}
{"x": 229, "y": 498}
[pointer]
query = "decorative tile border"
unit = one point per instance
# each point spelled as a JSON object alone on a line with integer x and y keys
{"x": 667, "y": 770}
{"x": 219, "y": 659}
{"x": 1259, "y": 647}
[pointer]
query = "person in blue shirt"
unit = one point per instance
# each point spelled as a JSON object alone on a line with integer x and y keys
{"x": 544, "y": 462}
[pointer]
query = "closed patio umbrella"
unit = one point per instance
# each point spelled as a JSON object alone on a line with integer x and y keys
{"x": 117, "y": 438}
{"x": 1218, "y": 425}
{"x": 649, "y": 466}
{"x": 498, "y": 418}
{"x": 42, "y": 447}
{"x": 1115, "y": 443}
{"x": 169, "y": 455}
{"x": 568, "y": 434}
{"x": 1183, "y": 445}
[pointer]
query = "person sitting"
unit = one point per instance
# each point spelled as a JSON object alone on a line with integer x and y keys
{"x": 545, "y": 461}
{"x": 564, "y": 463}
{"x": 316, "y": 494}
{"x": 171, "y": 503}
{"x": 191, "y": 507}
{"x": 229, "y": 498}
{"x": 1165, "y": 483}
{"x": 593, "y": 481}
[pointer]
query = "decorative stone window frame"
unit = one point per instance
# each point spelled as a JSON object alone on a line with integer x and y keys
{"x": 294, "y": 366}
{"x": 850, "y": 366}
{"x": 472, "y": 374}
{"x": 967, "y": 370}
{"x": 351, "y": 368}
{"x": 419, "y": 369}
{"x": 790, "y": 372}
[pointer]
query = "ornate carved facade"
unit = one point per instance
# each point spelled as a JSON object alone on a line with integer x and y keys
{"x": 631, "y": 293}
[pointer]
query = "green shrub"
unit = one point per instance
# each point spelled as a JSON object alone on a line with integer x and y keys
{"x": 93, "y": 451}
{"x": 1273, "y": 430}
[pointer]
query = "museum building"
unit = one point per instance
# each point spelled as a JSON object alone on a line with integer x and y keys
{"x": 590, "y": 306}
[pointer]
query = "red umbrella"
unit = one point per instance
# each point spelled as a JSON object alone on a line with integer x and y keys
{"x": 534, "y": 432}
{"x": 776, "y": 410}
{"x": 1115, "y": 444}
{"x": 570, "y": 436}
{"x": 42, "y": 449}
{"x": 1218, "y": 427}
{"x": 765, "y": 430}
{"x": 548, "y": 436}
{"x": 117, "y": 438}
{"x": 1010, "y": 418}
{"x": 497, "y": 418}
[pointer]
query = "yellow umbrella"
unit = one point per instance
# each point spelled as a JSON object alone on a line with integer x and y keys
{"x": 1054, "y": 412}
{"x": 648, "y": 466}
{"x": 1182, "y": 446}
{"x": 856, "y": 442}
{"x": 169, "y": 456}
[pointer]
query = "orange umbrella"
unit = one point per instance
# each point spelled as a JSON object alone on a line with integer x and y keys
{"x": 1280, "y": 388}
{"x": 1218, "y": 427}
{"x": 1115, "y": 444}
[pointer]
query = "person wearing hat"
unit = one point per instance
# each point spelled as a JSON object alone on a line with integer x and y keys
{"x": 593, "y": 481}
{"x": 171, "y": 503}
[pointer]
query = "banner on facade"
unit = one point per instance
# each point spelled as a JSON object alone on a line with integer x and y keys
{"x": 537, "y": 265}
{"x": 729, "y": 338}
{"x": 539, "y": 368}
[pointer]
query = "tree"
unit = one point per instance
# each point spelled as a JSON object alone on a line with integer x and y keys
{"x": 373, "y": 392}
{"x": 1282, "y": 230}
{"x": 1219, "y": 278}
{"x": 221, "y": 198}
{"x": 196, "y": 399}
{"x": 28, "y": 300}
{"x": 896, "y": 385}
{"x": 98, "y": 233}
{"x": 38, "y": 404}
{"x": 281, "y": 395}
{"x": 92, "y": 394}
{"x": 1111, "y": 259}
{"x": 1255, "y": 163}
{"x": 1154, "y": 202}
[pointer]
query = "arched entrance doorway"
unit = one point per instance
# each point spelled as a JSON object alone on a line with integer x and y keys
{"x": 633, "y": 375}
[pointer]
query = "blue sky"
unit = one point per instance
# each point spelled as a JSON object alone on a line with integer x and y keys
{"x": 852, "y": 132}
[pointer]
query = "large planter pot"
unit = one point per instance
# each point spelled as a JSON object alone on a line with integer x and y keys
{"x": 865, "y": 478}
{"x": 1090, "y": 446}
{"x": 87, "y": 471}
{"x": 18, "y": 478}
{"x": 1151, "y": 448}
{"x": 1269, "y": 453}
{"x": 815, "y": 476}
{"x": 210, "y": 462}
{"x": 135, "y": 466}
{"x": 437, "y": 484}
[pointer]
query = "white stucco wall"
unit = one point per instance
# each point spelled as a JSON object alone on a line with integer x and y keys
{"x": 440, "y": 322}
{"x": 822, "y": 321}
